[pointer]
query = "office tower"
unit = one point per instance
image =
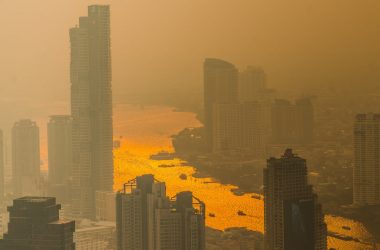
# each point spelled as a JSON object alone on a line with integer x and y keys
{"x": 34, "y": 224}
{"x": 2, "y": 178}
{"x": 293, "y": 216}
{"x": 91, "y": 110}
{"x": 147, "y": 219}
{"x": 252, "y": 84}
{"x": 240, "y": 126}
{"x": 59, "y": 155}
{"x": 367, "y": 159}
{"x": 25, "y": 158}
{"x": 293, "y": 123}
{"x": 220, "y": 86}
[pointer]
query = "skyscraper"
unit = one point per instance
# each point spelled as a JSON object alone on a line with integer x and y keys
{"x": 25, "y": 158}
{"x": 59, "y": 155}
{"x": 293, "y": 123}
{"x": 147, "y": 219}
{"x": 220, "y": 86}
{"x": 91, "y": 109}
{"x": 367, "y": 159}
{"x": 293, "y": 216}
{"x": 34, "y": 224}
{"x": 59, "y": 148}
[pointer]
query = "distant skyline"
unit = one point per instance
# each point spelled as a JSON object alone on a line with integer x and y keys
{"x": 161, "y": 44}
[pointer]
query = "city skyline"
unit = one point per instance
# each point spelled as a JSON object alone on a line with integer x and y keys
{"x": 269, "y": 150}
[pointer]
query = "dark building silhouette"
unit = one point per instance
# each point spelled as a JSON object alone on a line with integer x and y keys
{"x": 34, "y": 224}
{"x": 59, "y": 155}
{"x": 292, "y": 123}
{"x": 220, "y": 86}
{"x": 293, "y": 216}
{"x": 91, "y": 109}
{"x": 25, "y": 158}
{"x": 147, "y": 219}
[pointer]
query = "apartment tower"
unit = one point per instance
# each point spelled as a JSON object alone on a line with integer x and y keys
{"x": 25, "y": 158}
{"x": 146, "y": 219}
{"x": 367, "y": 159}
{"x": 220, "y": 86}
{"x": 91, "y": 110}
{"x": 293, "y": 217}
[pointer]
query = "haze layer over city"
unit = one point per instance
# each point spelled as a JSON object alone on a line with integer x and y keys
{"x": 206, "y": 125}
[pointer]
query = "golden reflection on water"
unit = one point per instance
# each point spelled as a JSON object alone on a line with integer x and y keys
{"x": 146, "y": 130}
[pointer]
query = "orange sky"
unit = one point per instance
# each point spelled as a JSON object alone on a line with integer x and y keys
{"x": 163, "y": 43}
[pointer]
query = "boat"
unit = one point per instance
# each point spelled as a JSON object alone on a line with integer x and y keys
{"x": 255, "y": 196}
{"x": 183, "y": 177}
{"x": 237, "y": 192}
{"x": 166, "y": 166}
{"x": 162, "y": 156}
{"x": 241, "y": 213}
{"x": 211, "y": 215}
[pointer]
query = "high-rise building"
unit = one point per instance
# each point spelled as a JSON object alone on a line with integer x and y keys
{"x": 2, "y": 171}
{"x": 34, "y": 223}
{"x": 147, "y": 219}
{"x": 252, "y": 84}
{"x": 25, "y": 158}
{"x": 367, "y": 159}
{"x": 293, "y": 217}
{"x": 220, "y": 86}
{"x": 293, "y": 123}
{"x": 240, "y": 126}
{"x": 59, "y": 148}
{"x": 59, "y": 155}
{"x": 91, "y": 109}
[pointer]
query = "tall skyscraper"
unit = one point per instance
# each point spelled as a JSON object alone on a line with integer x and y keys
{"x": 25, "y": 158}
{"x": 220, "y": 86}
{"x": 367, "y": 159}
{"x": 2, "y": 178}
{"x": 34, "y": 224}
{"x": 147, "y": 219}
{"x": 91, "y": 109}
{"x": 59, "y": 155}
{"x": 293, "y": 123}
{"x": 293, "y": 217}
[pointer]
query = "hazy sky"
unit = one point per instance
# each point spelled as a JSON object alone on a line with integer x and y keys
{"x": 164, "y": 42}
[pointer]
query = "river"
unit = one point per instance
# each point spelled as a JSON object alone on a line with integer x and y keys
{"x": 146, "y": 130}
